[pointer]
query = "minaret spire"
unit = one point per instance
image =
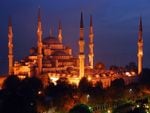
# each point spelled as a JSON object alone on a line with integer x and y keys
{"x": 140, "y": 47}
{"x": 81, "y": 21}
{"x": 10, "y": 47}
{"x": 60, "y": 32}
{"x": 91, "y": 44}
{"x": 140, "y": 25}
{"x": 91, "y": 21}
{"x": 39, "y": 14}
{"x": 39, "y": 43}
{"x": 81, "y": 49}
{"x": 140, "y": 29}
{"x": 9, "y": 22}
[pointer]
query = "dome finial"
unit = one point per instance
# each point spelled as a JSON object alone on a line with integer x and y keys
{"x": 51, "y": 32}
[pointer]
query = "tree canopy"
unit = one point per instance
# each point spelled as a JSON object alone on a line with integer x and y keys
{"x": 80, "y": 108}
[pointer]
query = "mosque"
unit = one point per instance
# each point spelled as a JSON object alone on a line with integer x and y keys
{"x": 52, "y": 59}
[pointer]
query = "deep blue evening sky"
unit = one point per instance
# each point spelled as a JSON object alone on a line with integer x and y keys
{"x": 115, "y": 26}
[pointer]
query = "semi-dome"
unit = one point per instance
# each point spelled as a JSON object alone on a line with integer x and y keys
{"x": 60, "y": 53}
{"x": 51, "y": 40}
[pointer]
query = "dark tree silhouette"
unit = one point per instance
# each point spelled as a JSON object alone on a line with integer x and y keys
{"x": 125, "y": 108}
{"x": 14, "y": 100}
{"x": 145, "y": 76}
{"x": 61, "y": 94}
{"x": 84, "y": 86}
{"x": 80, "y": 108}
{"x": 137, "y": 110}
{"x": 31, "y": 86}
{"x": 118, "y": 83}
{"x": 11, "y": 83}
{"x": 97, "y": 90}
{"x": 116, "y": 89}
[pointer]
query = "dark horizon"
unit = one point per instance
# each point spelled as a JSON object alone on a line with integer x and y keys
{"x": 115, "y": 27}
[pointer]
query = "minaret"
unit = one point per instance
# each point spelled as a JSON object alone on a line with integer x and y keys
{"x": 81, "y": 49}
{"x": 91, "y": 45}
{"x": 60, "y": 32}
{"x": 140, "y": 48}
{"x": 10, "y": 48}
{"x": 39, "y": 43}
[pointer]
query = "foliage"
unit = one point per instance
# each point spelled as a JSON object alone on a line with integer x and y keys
{"x": 80, "y": 108}
{"x": 11, "y": 83}
{"x": 85, "y": 86}
{"x": 29, "y": 95}
{"x": 20, "y": 96}
{"x": 118, "y": 83}
{"x": 145, "y": 77}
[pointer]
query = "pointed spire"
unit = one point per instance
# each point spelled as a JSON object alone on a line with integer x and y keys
{"x": 59, "y": 26}
{"x": 39, "y": 23}
{"x": 39, "y": 14}
{"x": 60, "y": 32}
{"x": 81, "y": 21}
{"x": 91, "y": 21}
{"x": 39, "y": 43}
{"x": 10, "y": 47}
{"x": 10, "y": 26}
{"x": 9, "y": 21}
{"x": 140, "y": 25}
{"x": 140, "y": 29}
{"x": 140, "y": 44}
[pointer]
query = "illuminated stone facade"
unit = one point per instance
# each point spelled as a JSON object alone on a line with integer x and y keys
{"x": 10, "y": 48}
{"x": 52, "y": 59}
{"x": 140, "y": 48}
{"x": 39, "y": 45}
{"x": 81, "y": 50}
{"x": 91, "y": 45}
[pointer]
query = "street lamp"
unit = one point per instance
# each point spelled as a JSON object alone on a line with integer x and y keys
{"x": 87, "y": 97}
{"x": 108, "y": 111}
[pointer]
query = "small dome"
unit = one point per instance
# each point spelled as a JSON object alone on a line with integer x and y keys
{"x": 51, "y": 40}
{"x": 67, "y": 47}
{"x": 60, "y": 53}
{"x": 33, "y": 51}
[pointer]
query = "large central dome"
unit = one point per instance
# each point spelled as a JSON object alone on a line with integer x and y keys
{"x": 51, "y": 40}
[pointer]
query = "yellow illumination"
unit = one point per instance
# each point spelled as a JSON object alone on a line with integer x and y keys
{"x": 89, "y": 78}
{"x": 54, "y": 80}
{"x": 137, "y": 105}
{"x": 39, "y": 92}
{"x": 108, "y": 111}
{"x": 128, "y": 74}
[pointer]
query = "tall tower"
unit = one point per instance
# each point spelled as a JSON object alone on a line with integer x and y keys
{"x": 39, "y": 43}
{"x": 60, "y": 32}
{"x": 140, "y": 48}
{"x": 10, "y": 48}
{"x": 91, "y": 45}
{"x": 81, "y": 49}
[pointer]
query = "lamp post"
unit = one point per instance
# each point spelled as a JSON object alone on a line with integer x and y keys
{"x": 87, "y": 97}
